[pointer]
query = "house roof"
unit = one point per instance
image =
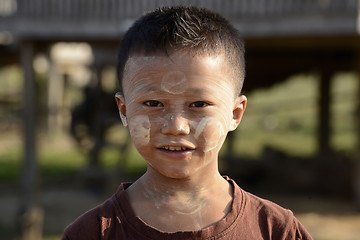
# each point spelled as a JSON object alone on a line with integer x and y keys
{"x": 109, "y": 19}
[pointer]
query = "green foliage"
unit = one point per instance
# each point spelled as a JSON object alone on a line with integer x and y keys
{"x": 11, "y": 80}
{"x": 285, "y": 116}
{"x": 343, "y": 108}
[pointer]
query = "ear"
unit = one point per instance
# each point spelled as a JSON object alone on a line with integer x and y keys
{"x": 238, "y": 112}
{"x": 120, "y": 101}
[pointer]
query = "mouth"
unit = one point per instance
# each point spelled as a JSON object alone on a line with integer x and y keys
{"x": 176, "y": 148}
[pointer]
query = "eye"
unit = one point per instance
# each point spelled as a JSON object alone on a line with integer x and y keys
{"x": 153, "y": 103}
{"x": 199, "y": 104}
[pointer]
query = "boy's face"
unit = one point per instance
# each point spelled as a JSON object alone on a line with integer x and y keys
{"x": 178, "y": 110}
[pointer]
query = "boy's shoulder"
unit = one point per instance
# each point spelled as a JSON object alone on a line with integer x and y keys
{"x": 94, "y": 223}
{"x": 255, "y": 205}
{"x": 273, "y": 220}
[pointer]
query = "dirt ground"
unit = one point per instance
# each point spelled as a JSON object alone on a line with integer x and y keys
{"x": 325, "y": 219}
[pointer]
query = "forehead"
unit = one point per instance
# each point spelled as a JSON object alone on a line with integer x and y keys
{"x": 181, "y": 68}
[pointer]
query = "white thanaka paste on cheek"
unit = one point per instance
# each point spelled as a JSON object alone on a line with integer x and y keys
{"x": 200, "y": 127}
{"x": 210, "y": 137}
{"x": 140, "y": 130}
{"x": 174, "y": 82}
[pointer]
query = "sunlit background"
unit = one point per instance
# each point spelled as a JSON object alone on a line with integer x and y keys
{"x": 63, "y": 149}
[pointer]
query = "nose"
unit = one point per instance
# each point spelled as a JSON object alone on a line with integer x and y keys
{"x": 176, "y": 125}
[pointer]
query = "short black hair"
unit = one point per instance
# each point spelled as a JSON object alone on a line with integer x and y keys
{"x": 197, "y": 30}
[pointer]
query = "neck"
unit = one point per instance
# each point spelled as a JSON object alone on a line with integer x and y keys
{"x": 180, "y": 204}
{"x": 194, "y": 186}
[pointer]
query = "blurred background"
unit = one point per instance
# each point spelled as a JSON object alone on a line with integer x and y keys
{"x": 63, "y": 149}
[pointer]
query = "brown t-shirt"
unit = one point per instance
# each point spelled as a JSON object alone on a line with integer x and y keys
{"x": 249, "y": 218}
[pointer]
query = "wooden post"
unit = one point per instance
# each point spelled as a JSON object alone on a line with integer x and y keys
{"x": 31, "y": 215}
{"x": 97, "y": 121}
{"x": 324, "y": 128}
{"x": 356, "y": 168}
{"x": 55, "y": 88}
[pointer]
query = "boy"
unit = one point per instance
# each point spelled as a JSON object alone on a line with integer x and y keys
{"x": 181, "y": 70}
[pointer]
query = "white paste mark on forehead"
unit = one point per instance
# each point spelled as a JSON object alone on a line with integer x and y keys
{"x": 174, "y": 82}
{"x": 140, "y": 129}
{"x": 136, "y": 63}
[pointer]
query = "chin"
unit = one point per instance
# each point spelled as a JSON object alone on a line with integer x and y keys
{"x": 178, "y": 174}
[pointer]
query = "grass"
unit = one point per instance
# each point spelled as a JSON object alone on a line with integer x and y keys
{"x": 58, "y": 156}
{"x": 10, "y": 164}
{"x": 55, "y": 162}
{"x": 55, "y": 237}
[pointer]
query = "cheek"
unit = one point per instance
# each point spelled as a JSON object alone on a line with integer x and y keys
{"x": 212, "y": 134}
{"x": 140, "y": 130}
{"x": 209, "y": 131}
